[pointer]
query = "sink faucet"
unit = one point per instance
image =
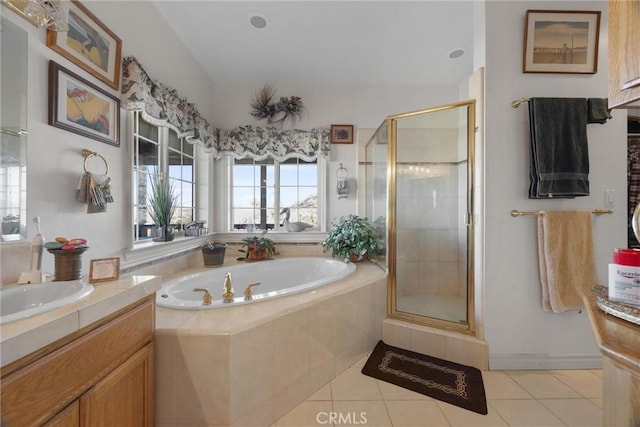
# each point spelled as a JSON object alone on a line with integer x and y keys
{"x": 248, "y": 295}
{"x": 227, "y": 295}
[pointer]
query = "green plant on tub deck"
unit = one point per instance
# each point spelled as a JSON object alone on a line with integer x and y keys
{"x": 258, "y": 247}
{"x": 353, "y": 238}
{"x": 162, "y": 205}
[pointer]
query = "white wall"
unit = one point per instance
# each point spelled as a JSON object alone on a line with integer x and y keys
{"x": 519, "y": 333}
{"x": 364, "y": 106}
{"x": 53, "y": 155}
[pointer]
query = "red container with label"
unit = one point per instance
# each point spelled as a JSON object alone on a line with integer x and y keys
{"x": 629, "y": 257}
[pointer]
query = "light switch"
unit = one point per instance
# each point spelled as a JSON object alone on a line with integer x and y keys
{"x": 609, "y": 199}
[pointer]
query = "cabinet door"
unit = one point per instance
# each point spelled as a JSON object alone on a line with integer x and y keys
{"x": 69, "y": 417}
{"x": 124, "y": 397}
{"x": 624, "y": 56}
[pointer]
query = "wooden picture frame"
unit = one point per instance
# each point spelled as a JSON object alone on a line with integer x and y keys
{"x": 89, "y": 44}
{"x": 561, "y": 41}
{"x": 341, "y": 134}
{"x": 104, "y": 269}
{"x": 81, "y": 107}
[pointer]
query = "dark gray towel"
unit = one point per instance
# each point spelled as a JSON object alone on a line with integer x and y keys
{"x": 559, "y": 152}
{"x": 598, "y": 110}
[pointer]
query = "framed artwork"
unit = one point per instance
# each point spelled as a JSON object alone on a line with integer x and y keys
{"x": 104, "y": 269}
{"x": 89, "y": 44}
{"x": 561, "y": 41}
{"x": 341, "y": 134}
{"x": 81, "y": 107}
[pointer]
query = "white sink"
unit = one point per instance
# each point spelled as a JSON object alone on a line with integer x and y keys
{"x": 22, "y": 301}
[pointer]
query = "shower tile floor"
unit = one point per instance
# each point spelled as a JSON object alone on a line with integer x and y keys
{"x": 514, "y": 398}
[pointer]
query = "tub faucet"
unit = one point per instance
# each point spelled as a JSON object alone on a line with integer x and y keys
{"x": 248, "y": 295}
{"x": 207, "y": 298}
{"x": 227, "y": 295}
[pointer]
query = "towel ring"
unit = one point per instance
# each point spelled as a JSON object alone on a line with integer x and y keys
{"x": 89, "y": 154}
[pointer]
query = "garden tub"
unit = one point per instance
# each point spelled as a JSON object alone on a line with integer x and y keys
{"x": 274, "y": 278}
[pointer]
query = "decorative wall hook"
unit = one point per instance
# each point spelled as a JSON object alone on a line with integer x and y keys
{"x": 342, "y": 186}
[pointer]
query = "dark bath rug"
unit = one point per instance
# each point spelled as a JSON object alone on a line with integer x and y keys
{"x": 450, "y": 382}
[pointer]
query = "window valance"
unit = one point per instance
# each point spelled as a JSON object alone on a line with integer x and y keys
{"x": 260, "y": 143}
{"x": 162, "y": 106}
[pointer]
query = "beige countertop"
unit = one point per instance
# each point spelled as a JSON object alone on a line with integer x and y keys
{"x": 22, "y": 337}
{"x": 618, "y": 339}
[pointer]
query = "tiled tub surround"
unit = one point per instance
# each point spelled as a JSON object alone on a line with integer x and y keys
{"x": 22, "y": 337}
{"x": 251, "y": 364}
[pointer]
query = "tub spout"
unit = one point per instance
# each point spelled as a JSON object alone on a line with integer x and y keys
{"x": 227, "y": 291}
{"x": 207, "y": 298}
{"x": 248, "y": 295}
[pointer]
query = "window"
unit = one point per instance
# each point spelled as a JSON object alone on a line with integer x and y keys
{"x": 260, "y": 190}
{"x": 158, "y": 150}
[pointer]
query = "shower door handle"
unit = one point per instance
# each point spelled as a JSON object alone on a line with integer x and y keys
{"x": 468, "y": 219}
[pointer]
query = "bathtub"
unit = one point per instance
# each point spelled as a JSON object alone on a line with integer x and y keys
{"x": 276, "y": 278}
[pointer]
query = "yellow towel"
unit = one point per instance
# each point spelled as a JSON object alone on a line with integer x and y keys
{"x": 567, "y": 261}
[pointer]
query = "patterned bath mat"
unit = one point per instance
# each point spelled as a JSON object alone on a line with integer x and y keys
{"x": 450, "y": 382}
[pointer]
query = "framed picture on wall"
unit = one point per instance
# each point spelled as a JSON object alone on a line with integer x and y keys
{"x": 81, "y": 107}
{"x": 341, "y": 134}
{"x": 557, "y": 41}
{"x": 89, "y": 44}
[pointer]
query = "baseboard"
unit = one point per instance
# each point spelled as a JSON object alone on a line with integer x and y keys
{"x": 505, "y": 362}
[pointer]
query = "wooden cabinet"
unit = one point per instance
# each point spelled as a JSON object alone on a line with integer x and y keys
{"x": 122, "y": 397}
{"x": 68, "y": 417}
{"x": 619, "y": 342}
{"x": 624, "y": 54}
{"x": 102, "y": 376}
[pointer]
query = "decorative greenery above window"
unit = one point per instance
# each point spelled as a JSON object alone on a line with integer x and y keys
{"x": 260, "y": 143}
{"x": 284, "y": 109}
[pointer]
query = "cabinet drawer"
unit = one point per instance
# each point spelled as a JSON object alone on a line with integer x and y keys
{"x": 34, "y": 394}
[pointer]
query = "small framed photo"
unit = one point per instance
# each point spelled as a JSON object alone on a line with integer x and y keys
{"x": 89, "y": 44}
{"x": 561, "y": 41}
{"x": 81, "y": 107}
{"x": 342, "y": 134}
{"x": 104, "y": 269}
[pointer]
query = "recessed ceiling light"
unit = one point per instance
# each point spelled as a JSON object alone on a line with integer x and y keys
{"x": 456, "y": 53}
{"x": 258, "y": 19}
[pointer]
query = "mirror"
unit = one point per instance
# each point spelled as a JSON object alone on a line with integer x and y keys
{"x": 13, "y": 131}
{"x": 428, "y": 169}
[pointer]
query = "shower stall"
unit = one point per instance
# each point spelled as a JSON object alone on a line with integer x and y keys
{"x": 419, "y": 193}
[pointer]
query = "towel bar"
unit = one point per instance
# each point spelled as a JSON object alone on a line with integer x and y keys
{"x": 515, "y": 212}
{"x": 517, "y": 102}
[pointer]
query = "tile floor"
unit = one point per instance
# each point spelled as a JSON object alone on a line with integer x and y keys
{"x": 515, "y": 398}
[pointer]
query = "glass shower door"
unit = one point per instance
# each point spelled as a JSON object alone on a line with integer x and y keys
{"x": 430, "y": 212}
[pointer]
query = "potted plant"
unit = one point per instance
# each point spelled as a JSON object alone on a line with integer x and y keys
{"x": 162, "y": 206}
{"x": 258, "y": 247}
{"x": 352, "y": 238}
{"x": 213, "y": 253}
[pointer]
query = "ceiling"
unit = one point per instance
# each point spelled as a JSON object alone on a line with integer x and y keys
{"x": 327, "y": 42}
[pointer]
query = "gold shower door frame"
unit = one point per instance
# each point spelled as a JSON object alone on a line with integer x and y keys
{"x": 392, "y": 312}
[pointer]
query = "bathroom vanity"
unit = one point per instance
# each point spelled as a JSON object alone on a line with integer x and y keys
{"x": 619, "y": 343}
{"x": 86, "y": 364}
